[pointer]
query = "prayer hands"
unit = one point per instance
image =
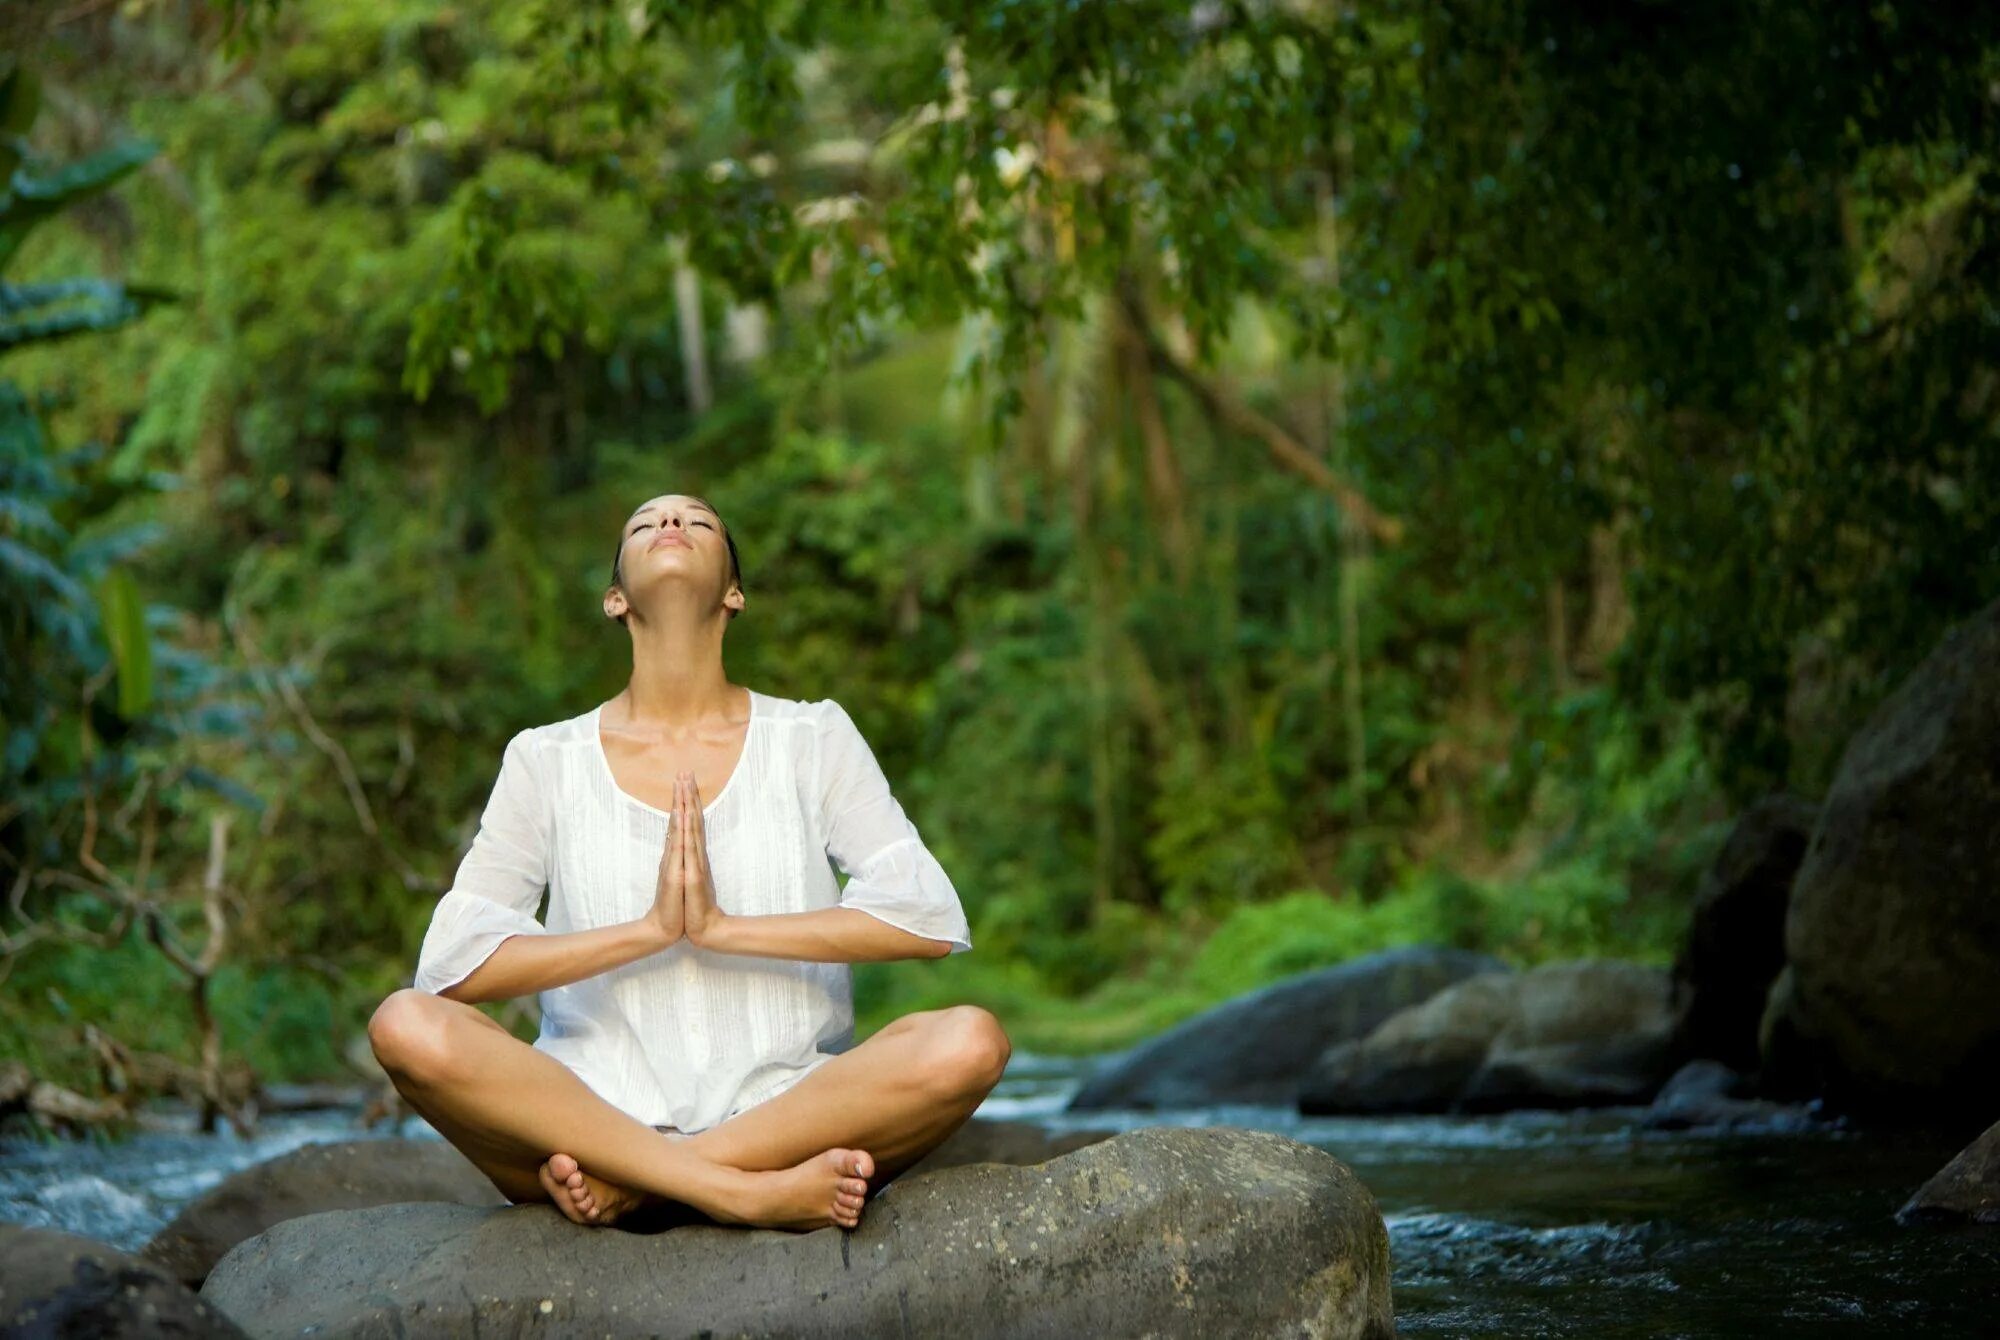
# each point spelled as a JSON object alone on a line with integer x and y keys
{"x": 667, "y": 912}
{"x": 684, "y": 894}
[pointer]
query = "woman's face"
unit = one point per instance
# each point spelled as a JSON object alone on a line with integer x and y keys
{"x": 675, "y": 533}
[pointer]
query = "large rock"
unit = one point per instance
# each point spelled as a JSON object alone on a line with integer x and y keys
{"x": 985, "y": 1140}
{"x": 1164, "y": 1231}
{"x": 1707, "y": 1094}
{"x": 1572, "y": 1034}
{"x": 347, "y": 1175}
{"x": 1892, "y": 940}
{"x": 58, "y": 1284}
{"x": 1736, "y": 937}
{"x": 1967, "y": 1188}
{"x": 1255, "y": 1048}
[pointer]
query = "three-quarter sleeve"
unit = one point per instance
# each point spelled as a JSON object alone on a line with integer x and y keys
{"x": 501, "y": 877}
{"x": 891, "y": 874}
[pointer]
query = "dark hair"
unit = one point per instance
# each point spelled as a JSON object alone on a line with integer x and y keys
{"x": 729, "y": 537}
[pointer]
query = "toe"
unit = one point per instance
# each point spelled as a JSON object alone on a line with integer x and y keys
{"x": 854, "y": 1185}
{"x": 563, "y": 1166}
{"x": 559, "y": 1195}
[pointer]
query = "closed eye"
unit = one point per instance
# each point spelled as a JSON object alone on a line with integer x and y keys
{"x": 696, "y": 522}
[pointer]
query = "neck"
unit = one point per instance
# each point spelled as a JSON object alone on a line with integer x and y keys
{"x": 677, "y": 671}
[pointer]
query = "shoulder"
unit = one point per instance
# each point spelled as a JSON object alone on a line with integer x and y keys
{"x": 811, "y": 717}
{"x": 818, "y": 733}
{"x": 532, "y": 740}
{"x": 580, "y": 729}
{"x": 537, "y": 747}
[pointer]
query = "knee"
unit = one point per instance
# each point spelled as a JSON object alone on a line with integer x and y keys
{"x": 969, "y": 1048}
{"x": 410, "y": 1034}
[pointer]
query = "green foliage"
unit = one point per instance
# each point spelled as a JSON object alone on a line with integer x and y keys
{"x": 76, "y": 614}
{"x": 493, "y": 304}
{"x": 1306, "y": 929}
{"x": 1628, "y": 271}
{"x": 122, "y": 614}
{"x": 1219, "y": 831}
{"x": 1664, "y": 339}
{"x": 53, "y": 551}
{"x": 286, "y": 1023}
{"x": 32, "y": 193}
{"x": 1180, "y": 125}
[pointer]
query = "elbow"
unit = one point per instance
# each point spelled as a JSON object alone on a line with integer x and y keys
{"x": 936, "y": 948}
{"x": 460, "y": 989}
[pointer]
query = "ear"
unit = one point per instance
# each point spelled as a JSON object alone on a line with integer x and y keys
{"x": 733, "y": 601}
{"x": 614, "y": 603}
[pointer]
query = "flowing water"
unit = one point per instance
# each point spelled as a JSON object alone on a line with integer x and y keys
{"x": 1524, "y": 1224}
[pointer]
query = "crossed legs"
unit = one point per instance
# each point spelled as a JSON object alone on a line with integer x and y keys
{"x": 897, "y": 1095}
{"x": 801, "y": 1160}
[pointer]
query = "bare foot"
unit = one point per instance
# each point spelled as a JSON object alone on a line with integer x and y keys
{"x": 584, "y": 1199}
{"x": 828, "y": 1188}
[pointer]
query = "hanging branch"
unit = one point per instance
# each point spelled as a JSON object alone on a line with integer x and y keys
{"x": 1226, "y": 409}
{"x": 274, "y": 685}
{"x": 1163, "y": 468}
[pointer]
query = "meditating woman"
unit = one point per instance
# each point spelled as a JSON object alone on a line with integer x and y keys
{"x": 697, "y": 1034}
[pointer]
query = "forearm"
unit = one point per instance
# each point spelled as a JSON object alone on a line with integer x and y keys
{"x": 824, "y": 935}
{"x": 525, "y": 964}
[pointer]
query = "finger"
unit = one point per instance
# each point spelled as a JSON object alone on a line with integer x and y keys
{"x": 678, "y": 856}
{"x": 696, "y": 834}
{"x": 681, "y": 810}
{"x": 670, "y": 854}
{"x": 699, "y": 836}
{"x": 697, "y": 857}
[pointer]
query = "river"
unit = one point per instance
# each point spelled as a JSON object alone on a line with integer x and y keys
{"x": 1524, "y": 1224}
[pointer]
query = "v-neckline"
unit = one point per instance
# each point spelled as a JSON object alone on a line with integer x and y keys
{"x": 742, "y": 757}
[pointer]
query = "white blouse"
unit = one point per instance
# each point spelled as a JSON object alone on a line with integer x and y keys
{"x": 688, "y": 1037}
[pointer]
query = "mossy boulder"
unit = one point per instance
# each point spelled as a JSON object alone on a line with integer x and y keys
{"x": 1167, "y": 1231}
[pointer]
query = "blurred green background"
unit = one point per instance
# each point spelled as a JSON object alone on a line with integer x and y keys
{"x": 1271, "y": 482}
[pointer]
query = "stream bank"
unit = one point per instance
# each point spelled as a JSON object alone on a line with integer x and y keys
{"x": 1580, "y": 1223}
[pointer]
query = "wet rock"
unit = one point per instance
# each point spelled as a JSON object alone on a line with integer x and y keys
{"x": 1168, "y": 1231}
{"x": 1574, "y": 1034}
{"x": 58, "y": 1284}
{"x": 1892, "y": 938}
{"x": 319, "y": 1096}
{"x": 1736, "y": 938}
{"x": 983, "y": 1140}
{"x": 1966, "y": 1189}
{"x": 346, "y": 1175}
{"x": 1708, "y": 1094}
{"x": 1255, "y": 1048}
